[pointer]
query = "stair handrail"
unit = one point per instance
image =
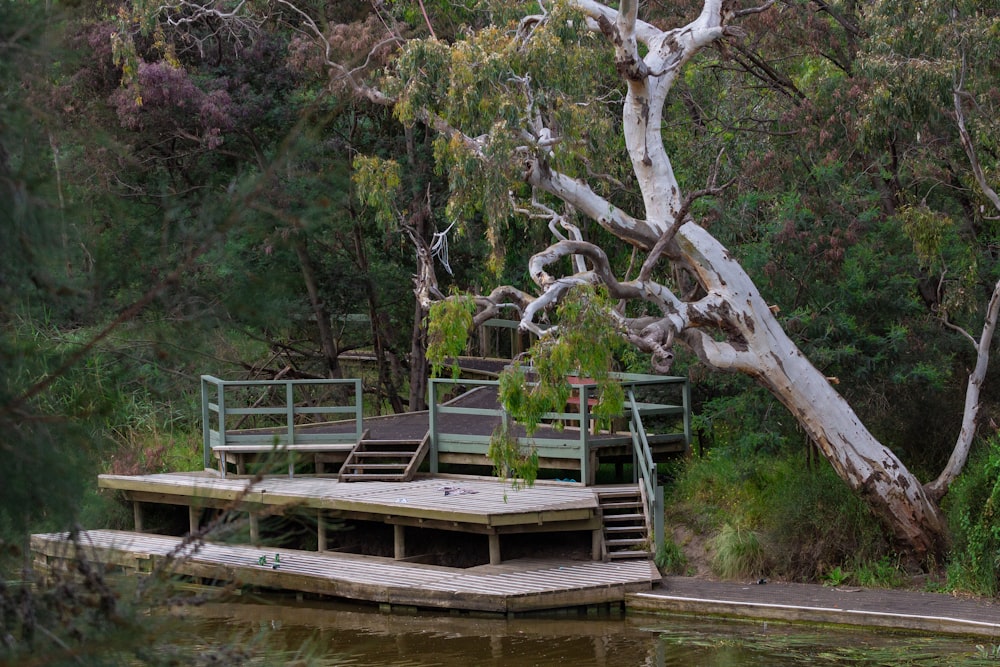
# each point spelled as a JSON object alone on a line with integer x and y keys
{"x": 646, "y": 468}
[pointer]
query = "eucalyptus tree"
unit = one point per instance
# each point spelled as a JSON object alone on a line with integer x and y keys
{"x": 518, "y": 122}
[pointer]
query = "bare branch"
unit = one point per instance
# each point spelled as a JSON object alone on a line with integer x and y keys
{"x": 970, "y": 150}
{"x": 753, "y": 10}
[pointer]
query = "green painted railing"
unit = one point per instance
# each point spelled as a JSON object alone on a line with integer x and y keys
{"x": 576, "y": 444}
{"x": 553, "y": 445}
{"x": 220, "y": 409}
{"x": 645, "y": 469}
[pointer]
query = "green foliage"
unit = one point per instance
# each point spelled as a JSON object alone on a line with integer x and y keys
{"x": 836, "y": 576}
{"x": 492, "y": 83}
{"x": 511, "y": 460}
{"x": 972, "y": 506}
{"x": 378, "y": 182}
{"x": 738, "y": 553}
{"x": 927, "y": 229}
{"x": 448, "y": 325}
{"x": 884, "y": 572}
{"x": 583, "y": 345}
{"x": 670, "y": 558}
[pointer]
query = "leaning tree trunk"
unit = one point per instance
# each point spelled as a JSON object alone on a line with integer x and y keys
{"x": 869, "y": 467}
{"x": 752, "y": 340}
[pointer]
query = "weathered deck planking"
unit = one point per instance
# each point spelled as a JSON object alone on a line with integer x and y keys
{"x": 513, "y": 587}
{"x": 488, "y": 503}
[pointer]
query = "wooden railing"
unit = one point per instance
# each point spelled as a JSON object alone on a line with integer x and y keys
{"x": 223, "y": 414}
{"x": 564, "y": 444}
{"x": 573, "y": 442}
{"x": 645, "y": 469}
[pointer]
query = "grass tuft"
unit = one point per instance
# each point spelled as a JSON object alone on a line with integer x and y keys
{"x": 739, "y": 553}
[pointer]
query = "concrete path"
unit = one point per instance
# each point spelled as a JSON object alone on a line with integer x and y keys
{"x": 844, "y": 605}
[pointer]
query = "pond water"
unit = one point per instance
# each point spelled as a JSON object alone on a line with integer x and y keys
{"x": 286, "y": 632}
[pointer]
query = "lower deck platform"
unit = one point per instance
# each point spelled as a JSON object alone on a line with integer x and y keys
{"x": 478, "y": 506}
{"x": 513, "y": 587}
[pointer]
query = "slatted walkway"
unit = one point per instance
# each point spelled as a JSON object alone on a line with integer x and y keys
{"x": 510, "y": 588}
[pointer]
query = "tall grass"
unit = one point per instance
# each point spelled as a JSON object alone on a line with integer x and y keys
{"x": 738, "y": 553}
{"x": 800, "y": 521}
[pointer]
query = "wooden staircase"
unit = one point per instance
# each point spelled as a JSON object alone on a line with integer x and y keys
{"x": 384, "y": 460}
{"x": 626, "y": 526}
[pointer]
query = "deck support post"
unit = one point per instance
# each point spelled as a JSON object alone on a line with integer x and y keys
{"x": 320, "y": 532}
{"x": 658, "y": 528}
{"x": 597, "y": 544}
{"x": 254, "y": 529}
{"x": 194, "y": 519}
{"x": 494, "y": 548}
{"x": 137, "y": 515}
{"x": 399, "y": 541}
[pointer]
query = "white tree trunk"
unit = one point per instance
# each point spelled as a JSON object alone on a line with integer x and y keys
{"x": 869, "y": 467}
{"x": 754, "y": 342}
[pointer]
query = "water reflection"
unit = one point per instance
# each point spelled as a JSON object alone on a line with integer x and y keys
{"x": 337, "y": 634}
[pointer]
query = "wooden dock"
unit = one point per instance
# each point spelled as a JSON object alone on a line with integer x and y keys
{"x": 482, "y": 506}
{"x": 513, "y": 587}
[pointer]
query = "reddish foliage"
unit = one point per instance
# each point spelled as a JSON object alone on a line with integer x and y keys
{"x": 164, "y": 97}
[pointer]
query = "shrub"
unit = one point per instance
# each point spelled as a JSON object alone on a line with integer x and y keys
{"x": 971, "y": 506}
{"x": 817, "y": 524}
{"x": 670, "y": 559}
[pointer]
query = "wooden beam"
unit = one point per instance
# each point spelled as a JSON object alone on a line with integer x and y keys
{"x": 137, "y": 515}
{"x": 494, "y": 548}
{"x": 194, "y": 518}
{"x": 399, "y": 541}
{"x": 254, "y": 528}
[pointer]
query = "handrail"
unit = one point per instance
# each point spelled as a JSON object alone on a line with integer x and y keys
{"x": 580, "y": 416}
{"x": 436, "y": 410}
{"x": 645, "y": 466}
{"x": 222, "y": 436}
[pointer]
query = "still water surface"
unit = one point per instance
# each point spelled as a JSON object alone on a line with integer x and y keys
{"x": 338, "y": 634}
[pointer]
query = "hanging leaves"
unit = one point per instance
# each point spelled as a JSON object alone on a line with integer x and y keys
{"x": 585, "y": 347}
{"x": 448, "y": 325}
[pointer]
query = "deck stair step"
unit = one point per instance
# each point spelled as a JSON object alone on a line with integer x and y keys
{"x": 626, "y": 526}
{"x": 384, "y": 460}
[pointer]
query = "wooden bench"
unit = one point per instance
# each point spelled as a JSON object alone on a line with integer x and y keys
{"x": 574, "y": 398}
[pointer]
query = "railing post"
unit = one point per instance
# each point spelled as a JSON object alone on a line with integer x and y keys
{"x": 221, "y": 385}
{"x": 584, "y": 439}
{"x": 206, "y": 430}
{"x": 290, "y": 416}
{"x": 222, "y": 412}
{"x": 658, "y": 529}
{"x": 359, "y": 414}
{"x": 687, "y": 414}
{"x": 432, "y": 424}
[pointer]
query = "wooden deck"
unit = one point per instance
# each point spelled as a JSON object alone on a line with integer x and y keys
{"x": 471, "y": 502}
{"x": 483, "y": 506}
{"x": 516, "y": 586}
